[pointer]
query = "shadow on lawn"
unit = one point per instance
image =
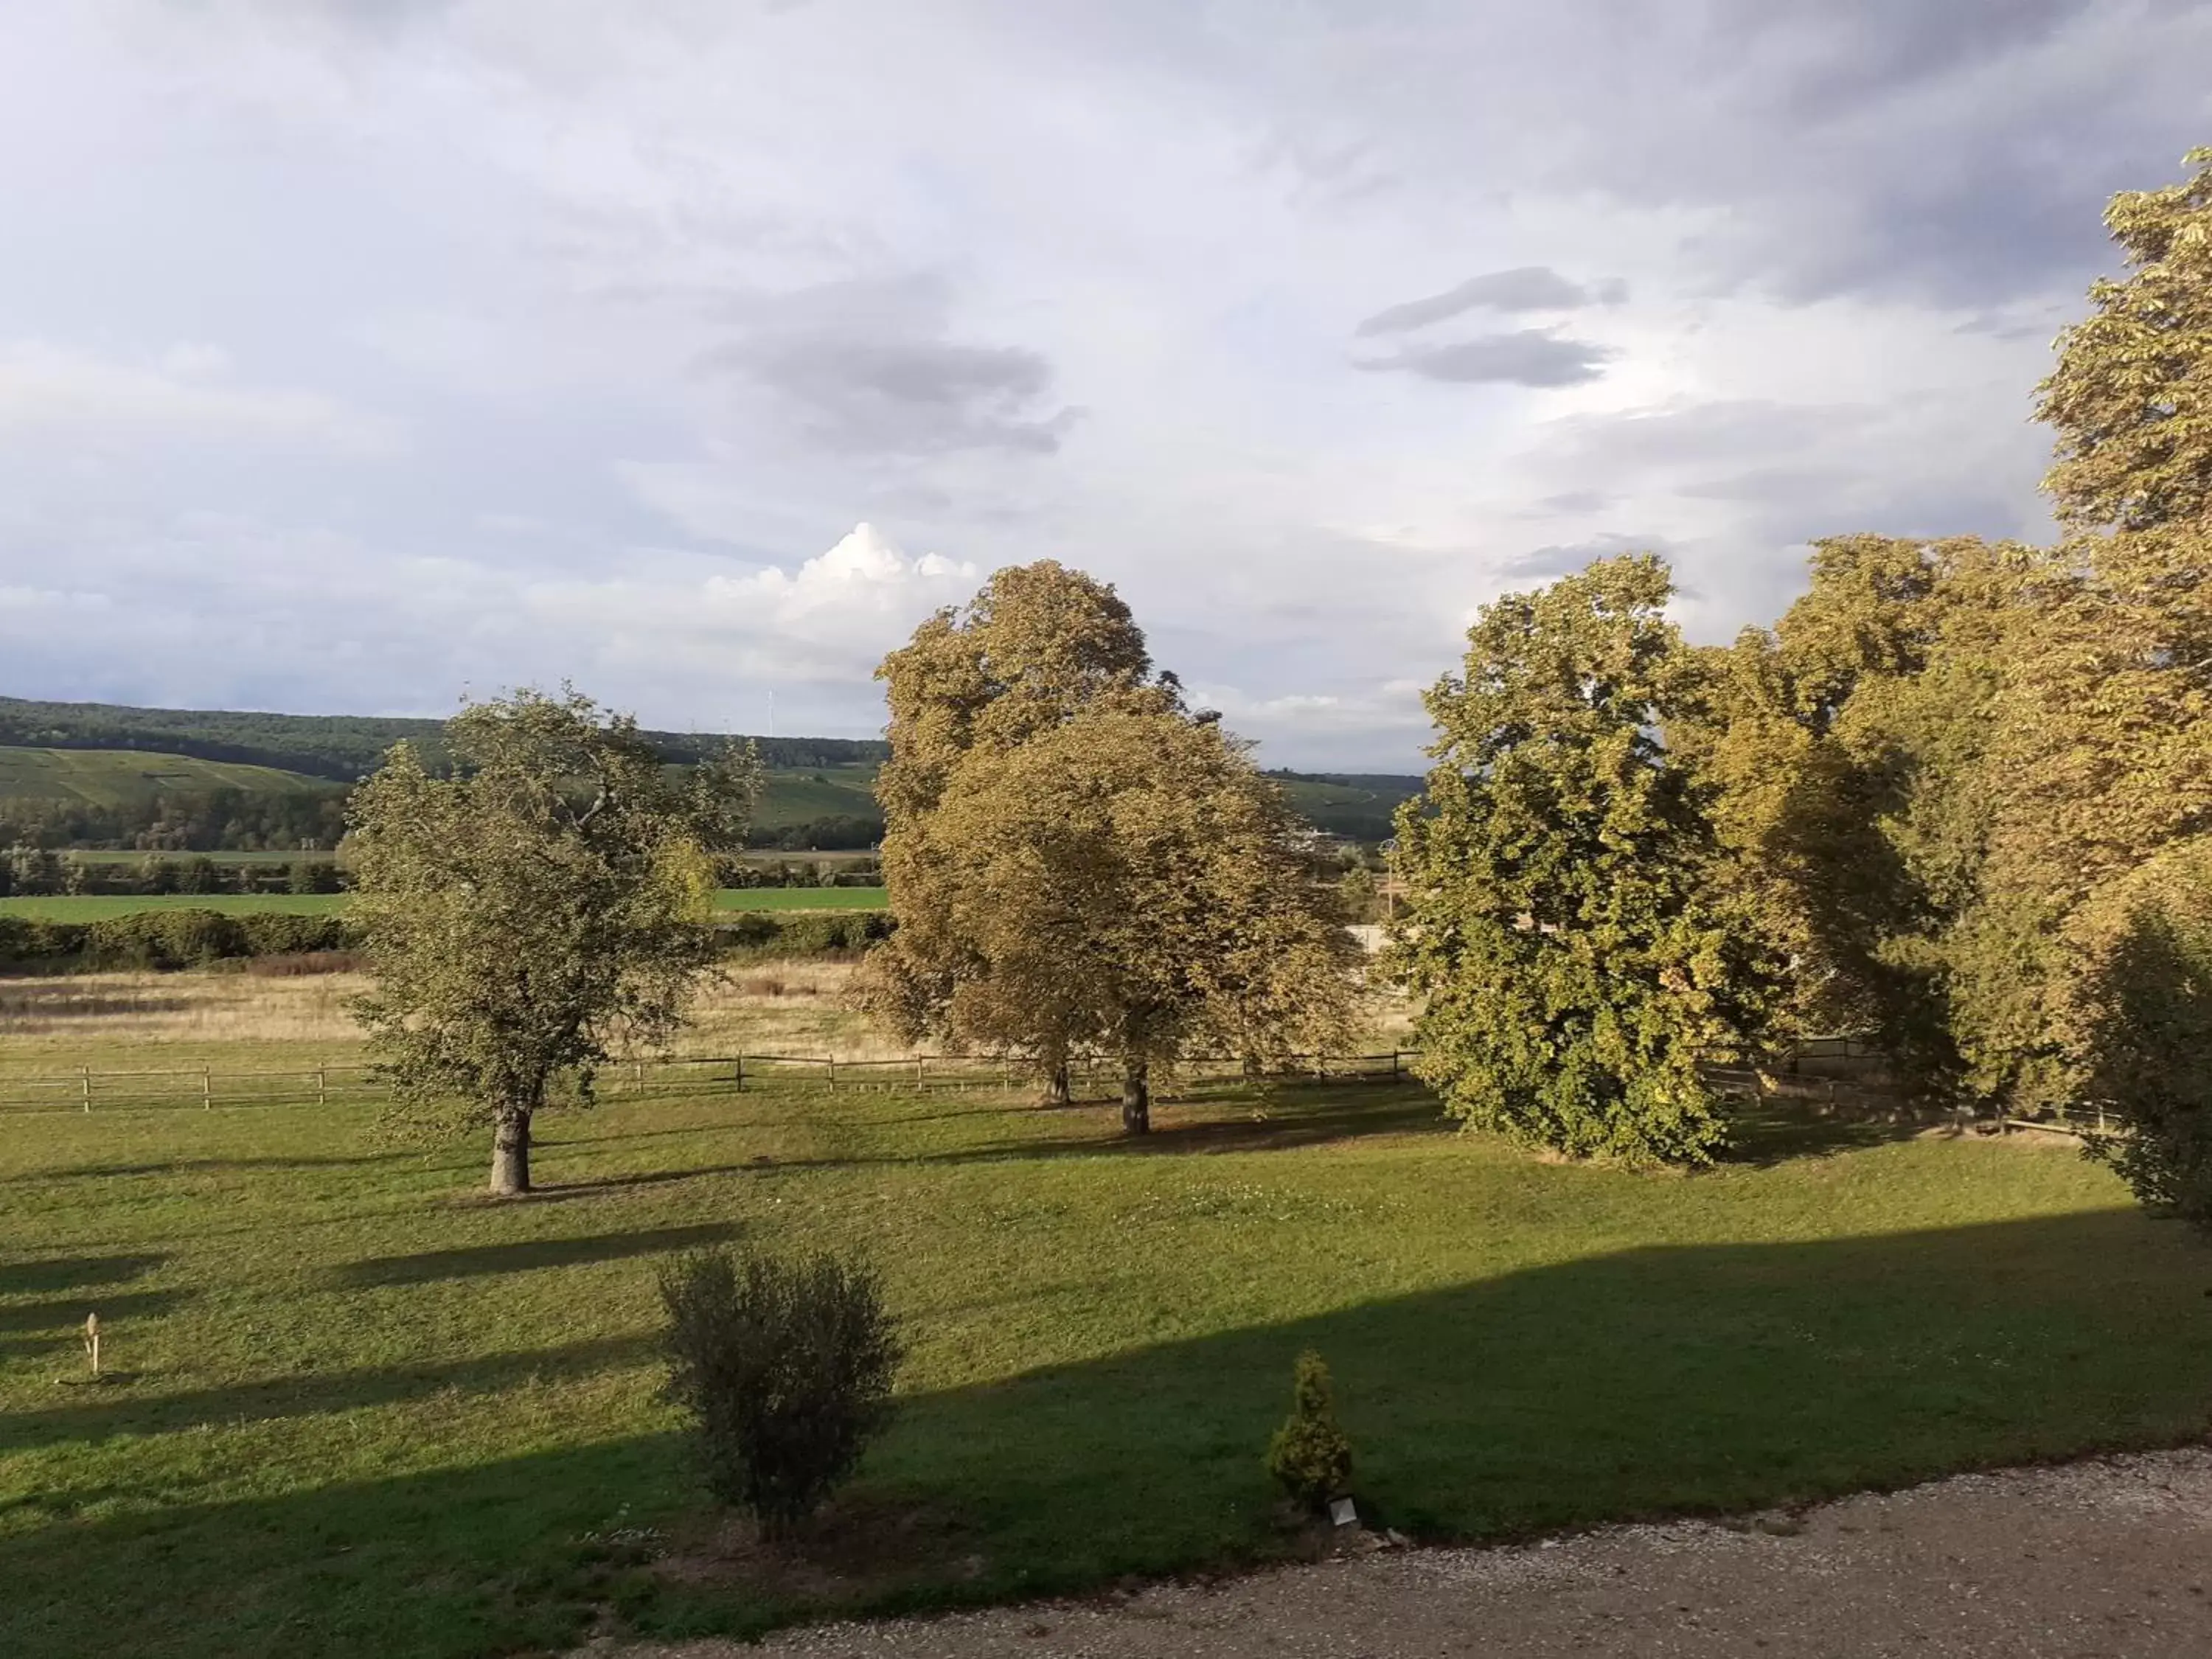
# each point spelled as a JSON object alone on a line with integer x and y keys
{"x": 1285, "y": 1126}
{"x": 1765, "y": 1133}
{"x": 138, "y": 1413}
{"x": 1661, "y": 1380}
{"x": 63, "y": 1314}
{"x": 74, "y": 1273}
{"x": 528, "y": 1255}
{"x": 210, "y": 1166}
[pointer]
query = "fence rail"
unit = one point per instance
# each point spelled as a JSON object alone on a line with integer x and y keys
{"x": 205, "y": 1087}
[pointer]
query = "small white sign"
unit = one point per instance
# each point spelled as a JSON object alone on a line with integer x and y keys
{"x": 1342, "y": 1513}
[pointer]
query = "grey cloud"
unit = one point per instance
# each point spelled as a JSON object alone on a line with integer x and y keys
{"x": 867, "y": 367}
{"x": 1526, "y": 288}
{"x": 1564, "y": 558}
{"x": 1955, "y": 154}
{"x": 1531, "y": 357}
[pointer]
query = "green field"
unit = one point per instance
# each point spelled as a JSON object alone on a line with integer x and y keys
{"x": 94, "y": 907}
{"x": 112, "y": 777}
{"x": 370, "y": 1412}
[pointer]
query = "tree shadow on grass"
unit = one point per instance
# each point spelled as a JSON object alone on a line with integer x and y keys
{"x": 140, "y": 1413}
{"x": 1658, "y": 1380}
{"x": 1283, "y": 1126}
{"x": 1763, "y": 1132}
{"x": 210, "y": 1166}
{"x": 75, "y": 1272}
{"x": 528, "y": 1255}
{"x": 61, "y": 1314}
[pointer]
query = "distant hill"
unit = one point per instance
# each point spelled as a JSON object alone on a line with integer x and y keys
{"x": 112, "y": 777}
{"x": 1358, "y": 805}
{"x": 342, "y": 748}
{"x": 820, "y": 791}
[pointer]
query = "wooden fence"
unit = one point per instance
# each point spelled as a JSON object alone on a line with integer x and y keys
{"x": 206, "y": 1088}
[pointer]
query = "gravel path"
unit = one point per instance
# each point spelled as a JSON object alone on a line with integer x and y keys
{"x": 2108, "y": 1559}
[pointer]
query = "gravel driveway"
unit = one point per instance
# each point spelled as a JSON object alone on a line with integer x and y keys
{"x": 2110, "y": 1559}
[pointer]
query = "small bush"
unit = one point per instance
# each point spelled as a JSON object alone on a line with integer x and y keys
{"x": 1309, "y": 1457}
{"x": 785, "y": 1368}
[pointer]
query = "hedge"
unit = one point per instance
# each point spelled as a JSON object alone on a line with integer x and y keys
{"x": 764, "y": 933}
{"x": 166, "y": 939}
{"x": 163, "y": 940}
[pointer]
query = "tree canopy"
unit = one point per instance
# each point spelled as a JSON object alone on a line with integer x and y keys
{"x": 547, "y": 899}
{"x": 1077, "y": 862}
{"x": 1575, "y": 959}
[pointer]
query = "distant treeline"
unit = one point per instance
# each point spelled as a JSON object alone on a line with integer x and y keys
{"x": 343, "y": 748}
{"x": 43, "y": 873}
{"x": 252, "y": 821}
{"x": 182, "y": 821}
{"x": 166, "y": 941}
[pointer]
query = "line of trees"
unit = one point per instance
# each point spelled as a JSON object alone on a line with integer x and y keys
{"x": 1959, "y": 795}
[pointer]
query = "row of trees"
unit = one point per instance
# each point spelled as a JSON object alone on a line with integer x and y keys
{"x": 1077, "y": 861}
{"x": 181, "y": 820}
{"x": 1959, "y": 796}
{"x": 27, "y": 872}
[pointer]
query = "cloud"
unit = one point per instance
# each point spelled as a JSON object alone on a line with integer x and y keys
{"x": 50, "y": 391}
{"x": 869, "y": 366}
{"x": 1526, "y": 288}
{"x": 1531, "y": 357}
{"x": 824, "y": 624}
{"x": 638, "y": 309}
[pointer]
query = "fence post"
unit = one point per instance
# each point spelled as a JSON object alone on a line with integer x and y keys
{"x": 833, "y": 1072}
{"x": 207, "y": 1089}
{"x": 322, "y": 1086}
{"x": 84, "y": 1072}
{"x": 637, "y": 1077}
{"x": 921, "y": 1071}
{"x": 740, "y": 1077}
{"x": 1394, "y": 1062}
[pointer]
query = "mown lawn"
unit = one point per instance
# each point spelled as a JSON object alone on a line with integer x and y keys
{"x": 95, "y": 906}
{"x": 370, "y": 1412}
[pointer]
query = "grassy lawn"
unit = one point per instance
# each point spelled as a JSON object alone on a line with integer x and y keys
{"x": 801, "y": 898}
{"x": 93, "y": 906}
{"x": 369, "y": 1413}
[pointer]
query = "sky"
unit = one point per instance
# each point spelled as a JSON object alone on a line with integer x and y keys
{"x": 359, "y": 355}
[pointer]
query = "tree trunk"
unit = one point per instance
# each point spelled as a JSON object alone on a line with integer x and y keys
{"x": 1136, "y": 1098}
{"x": 1056, "y": 1091}
{"x": 510, "y": 1152}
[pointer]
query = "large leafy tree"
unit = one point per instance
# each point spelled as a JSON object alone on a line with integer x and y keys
{"x": 1847, "y": 746}
{"x": 545, "y": 901}
{"x": 1078, "y": 862}
{"x": 1564, "y": 930}
{"x": 2110, "y": 717}
{"x": 1037, "y": 646}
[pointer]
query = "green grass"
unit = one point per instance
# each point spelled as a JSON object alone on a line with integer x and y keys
{"x": 373, "y": 1413}
{"x": 94, "y": 907}
{"x": 112, "y": 777}
{"x": 801, "y": 898}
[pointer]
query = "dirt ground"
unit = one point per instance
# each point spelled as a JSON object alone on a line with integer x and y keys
{"x": 2106, "y": 1560}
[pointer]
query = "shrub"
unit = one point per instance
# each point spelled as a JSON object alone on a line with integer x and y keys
{"x": 785, "y": 1367}
{"x": 1310, "y": 1456}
